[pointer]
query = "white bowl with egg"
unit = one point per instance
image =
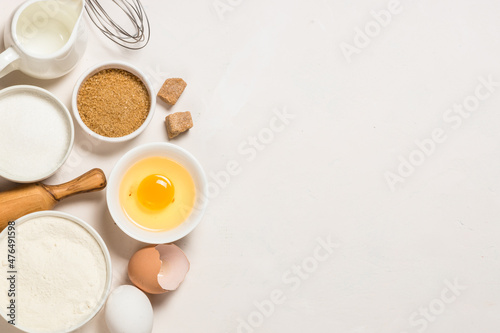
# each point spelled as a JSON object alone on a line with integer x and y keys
{"x": 65, "y": 268}
{"x": 172, "y": 152}
{"x": 36, "y": 134}
{"x": 114, "y": 65}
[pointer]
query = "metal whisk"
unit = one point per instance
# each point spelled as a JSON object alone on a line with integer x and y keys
{"x": 140, "y": 32}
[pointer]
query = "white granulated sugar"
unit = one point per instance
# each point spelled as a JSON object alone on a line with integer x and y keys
{"x": 34, "y": 135}
{"x": 61, "y": 274}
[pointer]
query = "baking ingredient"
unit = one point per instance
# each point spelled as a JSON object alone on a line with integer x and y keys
{"x": 35, "y": 134}
{"x": 113, "y": 102}
{"x": 157, "y": 193}
{"x": 158, "y": 269}
{"x": 61, "y": 274}
{"x": 171, "y": 90}
{"x": 178, "y": 123}
{"x": 44, "y": 35}
{"x": 47, "y": 39}
{"x": 128, "y": 310}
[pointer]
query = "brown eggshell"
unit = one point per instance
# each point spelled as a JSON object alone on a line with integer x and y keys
{"x": 174, "y": 266}
{"x": 143, "y": 270}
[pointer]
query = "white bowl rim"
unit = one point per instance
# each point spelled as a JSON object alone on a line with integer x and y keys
{"x": 105, "y": 251}
{"x": 118, "y": 65}
{"x": 65, "y": 112}
{"x": 114, "y": 186}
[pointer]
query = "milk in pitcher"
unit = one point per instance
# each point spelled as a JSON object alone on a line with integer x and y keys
{"x": 45, "y": 27}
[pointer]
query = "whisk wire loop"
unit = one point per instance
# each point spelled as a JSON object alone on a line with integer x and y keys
{"x": 140, "y": 33}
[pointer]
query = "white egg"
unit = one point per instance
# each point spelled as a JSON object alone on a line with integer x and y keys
{"x": 128, "y": 310}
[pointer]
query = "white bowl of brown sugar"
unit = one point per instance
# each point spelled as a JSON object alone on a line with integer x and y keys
{"x": 113, "y": 101}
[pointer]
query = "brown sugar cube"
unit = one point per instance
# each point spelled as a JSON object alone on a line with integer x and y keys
{"x": 171, "y": 90}
{"x": 178, "y": 123}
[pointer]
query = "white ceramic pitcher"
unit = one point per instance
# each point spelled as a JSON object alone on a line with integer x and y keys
{"x": 45, "y": 38}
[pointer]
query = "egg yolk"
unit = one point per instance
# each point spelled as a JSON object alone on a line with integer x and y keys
{"x": 155, "y": 192}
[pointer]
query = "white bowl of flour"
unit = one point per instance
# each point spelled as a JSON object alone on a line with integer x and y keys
{"x": 63, "y": 273}
{"x": 36, "y": 134}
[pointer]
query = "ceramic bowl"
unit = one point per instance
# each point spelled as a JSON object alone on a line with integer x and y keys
{"x": 114, "y": 65}
{"x": 21, "y": 136}
{"x": 173, "y": 152}
{"x": 107, "y": 258}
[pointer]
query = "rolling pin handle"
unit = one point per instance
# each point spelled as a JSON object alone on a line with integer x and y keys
{"x": 94, "y": 180}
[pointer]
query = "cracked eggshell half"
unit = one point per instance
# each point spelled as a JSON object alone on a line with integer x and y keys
{"x": 159, "y": 268}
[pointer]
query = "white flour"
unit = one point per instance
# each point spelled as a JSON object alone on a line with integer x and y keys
{"x": 34, "y": 135}
{"x": 61, "y": 274}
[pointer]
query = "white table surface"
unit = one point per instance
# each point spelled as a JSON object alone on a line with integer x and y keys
{"x": 323, "y": 175}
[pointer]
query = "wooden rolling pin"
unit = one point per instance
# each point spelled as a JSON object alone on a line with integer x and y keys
{"x": 36, "y": 197}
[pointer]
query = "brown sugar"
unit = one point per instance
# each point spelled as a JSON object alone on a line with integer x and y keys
{"x": 178, "y": 123}
{"x": 113, "y": 103}
{"x": 171, "y": 90}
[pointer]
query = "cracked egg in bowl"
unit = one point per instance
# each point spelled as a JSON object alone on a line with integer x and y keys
{"x": 157, "y": 193}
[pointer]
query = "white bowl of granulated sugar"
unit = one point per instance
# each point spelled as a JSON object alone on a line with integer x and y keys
{"x": 36, "y": 134}
{"x": 60, "y": 269}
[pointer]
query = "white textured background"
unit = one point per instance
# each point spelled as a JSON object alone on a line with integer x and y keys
{"x": 323, "y": 175}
